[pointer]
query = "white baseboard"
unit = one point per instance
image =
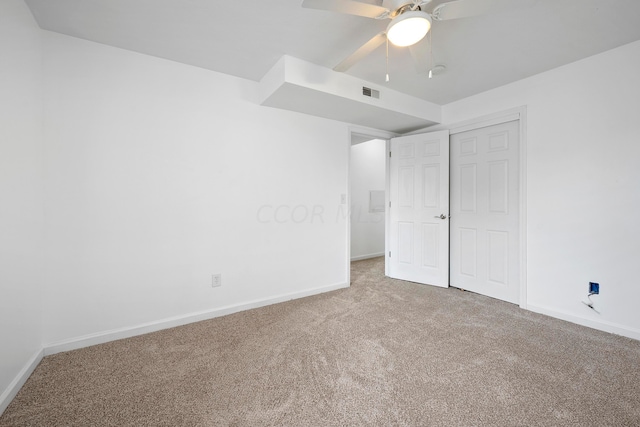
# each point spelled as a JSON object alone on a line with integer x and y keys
{"x": 171, "y": 322}
{"x": 7, "y": 396}
{"x": 605, "y": 326}
{"x": 361, "y": 257}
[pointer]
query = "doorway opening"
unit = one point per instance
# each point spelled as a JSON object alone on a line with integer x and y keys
{"x": 367, "y": 166}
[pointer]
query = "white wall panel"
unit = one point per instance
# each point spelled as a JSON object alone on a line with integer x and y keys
{"x": 161, "y": 174}
{"x": 21, "y": 195}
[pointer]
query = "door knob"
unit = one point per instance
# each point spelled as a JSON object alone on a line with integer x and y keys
{"x": 442, "y": 216}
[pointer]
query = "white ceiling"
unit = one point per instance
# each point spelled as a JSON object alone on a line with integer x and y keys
{"x": 246, "y": 38}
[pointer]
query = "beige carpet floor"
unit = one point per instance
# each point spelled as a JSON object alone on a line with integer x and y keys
{"x": 383, "y": 352}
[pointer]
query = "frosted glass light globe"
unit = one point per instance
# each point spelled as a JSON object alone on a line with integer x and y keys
{"x": 409, "y": 28}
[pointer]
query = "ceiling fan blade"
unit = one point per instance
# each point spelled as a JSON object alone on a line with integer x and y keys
{"x": 420, "y": 54}
{"x": 363, "y": 51}
{"x": 466, "y": 8}
{"x": 348, "y": 6}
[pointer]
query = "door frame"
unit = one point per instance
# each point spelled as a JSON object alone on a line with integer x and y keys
{"x": 519, "y": 114}
{"x": 374, "y": 134}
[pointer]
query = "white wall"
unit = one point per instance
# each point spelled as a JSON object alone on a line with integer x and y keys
{"x": 21, "y": 196}
{"x": 367, "y": 172}
{"x": 583, "y": 184}
{"x": 160, "y": 174}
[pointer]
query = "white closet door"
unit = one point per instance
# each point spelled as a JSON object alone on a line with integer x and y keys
{"x": 484, "y": 211}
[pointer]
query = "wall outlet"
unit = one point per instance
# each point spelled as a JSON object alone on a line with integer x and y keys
{"x": 594, "y": 288}
{"x": 216, "y": 280}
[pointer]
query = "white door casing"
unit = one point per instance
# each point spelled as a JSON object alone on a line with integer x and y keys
{"x": 485, "y": 226}
{"x": 419, "y": 208}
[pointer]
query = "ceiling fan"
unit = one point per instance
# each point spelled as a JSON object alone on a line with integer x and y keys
{"x": 411, "y": 20}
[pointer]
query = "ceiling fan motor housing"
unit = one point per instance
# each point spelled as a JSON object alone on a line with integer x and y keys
{"x": 398, "y": 7}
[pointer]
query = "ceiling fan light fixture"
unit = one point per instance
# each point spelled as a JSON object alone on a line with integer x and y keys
{"x": 409, "y": 28}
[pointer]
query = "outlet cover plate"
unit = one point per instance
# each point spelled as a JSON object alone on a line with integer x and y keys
{"x": 216, "y": 280}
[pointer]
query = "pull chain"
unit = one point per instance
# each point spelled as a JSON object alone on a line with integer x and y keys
{"x": 431, "y": 53}
{"x": 387, "y": 76}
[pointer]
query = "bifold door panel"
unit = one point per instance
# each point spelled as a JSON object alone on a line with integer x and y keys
{"x": 485, "y": 211}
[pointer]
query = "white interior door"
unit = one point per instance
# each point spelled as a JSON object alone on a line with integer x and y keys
{"x": 419, "y": 208}
{"x": 485, "y": 211}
